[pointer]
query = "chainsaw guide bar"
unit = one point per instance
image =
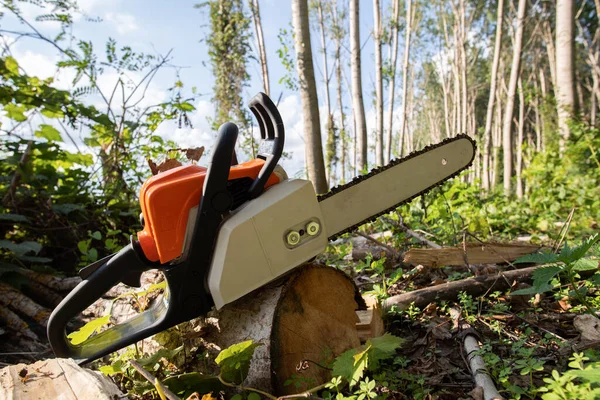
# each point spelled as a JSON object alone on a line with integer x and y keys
{"x": 394, "y": 163}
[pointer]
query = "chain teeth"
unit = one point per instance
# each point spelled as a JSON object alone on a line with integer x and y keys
{"x": 393, "y": 163}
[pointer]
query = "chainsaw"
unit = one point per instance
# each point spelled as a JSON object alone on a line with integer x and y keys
{"x": 221, "y": 232}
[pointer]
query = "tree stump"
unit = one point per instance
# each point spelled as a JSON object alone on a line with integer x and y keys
{"x": 55, "y": 379}
{"x": 304, "y": 321}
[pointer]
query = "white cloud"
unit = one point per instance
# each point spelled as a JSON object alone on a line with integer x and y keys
{"x": 124, "y": 23}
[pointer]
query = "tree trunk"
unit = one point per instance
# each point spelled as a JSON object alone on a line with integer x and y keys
{"x": 331, "y": 144}
{"x": 378, "y": 84}
{"x": 487, "y": 135}
{"x": 565, "y": 72}
{"x": 519, "y": 148}
{"x": 338, "y": 73}
{"x": 392, "y": 89}
{"x": 463, "y": 68}
{"x": 308, "y": 92}
{"x": 260, "y": 43}
{"x": 405, "y": 74}
{"x": 510, "y": 100}
{"x": 357, "y": 93}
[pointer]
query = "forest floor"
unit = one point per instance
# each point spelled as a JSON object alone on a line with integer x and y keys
{"x": 523, "y": 337}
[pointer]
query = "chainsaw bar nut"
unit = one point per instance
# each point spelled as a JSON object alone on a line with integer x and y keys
{"x": 293, "y": 238}
{"x": 313, "y": 228}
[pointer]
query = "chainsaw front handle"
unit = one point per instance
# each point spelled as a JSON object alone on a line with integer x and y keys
{"x": 126, "y": 262}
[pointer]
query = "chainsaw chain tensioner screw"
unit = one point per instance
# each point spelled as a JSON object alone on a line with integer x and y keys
{"x": 313, "y": 228}
{"x": 293, "y": 238}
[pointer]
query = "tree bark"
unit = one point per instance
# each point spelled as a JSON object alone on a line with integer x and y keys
{"x": 566, "y": 105}
{"x": 357, "y": 93}
{"x": 519, "y": 148}
{"x": 378, "y": 84}
{"x": 487, "y": 135}
{"x": 308, "y": 92}
{"x": 330, "y": 149}
{"x": 392, "y": 88}
{"x": 510, "y": 100}
{"x": 338, "y": 35}
{"x": 405, "y": 74}
{"x": 260, "y": 43}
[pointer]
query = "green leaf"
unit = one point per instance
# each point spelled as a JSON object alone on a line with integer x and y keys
{"x": 34, "y": 259}
{"x": 92, "y": 254}
{"x": 344, "y": 365}
{"x": 88, "y": 330}
{"x": 253, "y": 396}
{"x": 46, "y": 112}
{"x": 185, "y": 384}
{"x": 539, "y": 258}
{"x": 113, "y": 369}
{"x": 186, "y": 107}
{"x": 83, "y": 246}
{"x": 568, "y": 255}
{"x": 11, "y": 65}
{"x": 351, "y": 364}
{"x": 235, "y": 361}
{"x": 156, "y": 357}
{"x": 382, "y": 347}
{"x": 97, "y": 235}
{"x": 15, "y": 112}
{"x": 49, "y": 133}
{"x": 20, "y": 249}
{"x": 13, "y": 217}
{"x": 591, "y": 373}
{"x": 585, "y": 264}
{"x": 544, "y": 274}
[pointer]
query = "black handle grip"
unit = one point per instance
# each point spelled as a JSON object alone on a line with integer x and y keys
{"x": 126, "y": 262}
{"x": 272, "y": 135}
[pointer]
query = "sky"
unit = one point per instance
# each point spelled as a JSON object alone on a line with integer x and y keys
{"x": 158, "y": 27}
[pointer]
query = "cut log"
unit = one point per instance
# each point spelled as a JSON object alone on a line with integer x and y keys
{"x": 303, "y": 321}
{"x": 477, "y": 253}
{"x": 55, "y": 379}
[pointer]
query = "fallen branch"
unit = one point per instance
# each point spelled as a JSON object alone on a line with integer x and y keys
{"x": 450, "y": 290}
{"x": 488, "y": 253}
{"x": 14, "y": 322}
{"x": 150, "y": 378}
{"x": 9, "y": 296}
{"x": 51, "y": 281}
{"x": 478, "y": 369}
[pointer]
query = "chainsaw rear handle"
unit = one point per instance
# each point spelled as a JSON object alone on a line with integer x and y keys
{"x": 187, "y": 295}
{"x": 272, "y": 135}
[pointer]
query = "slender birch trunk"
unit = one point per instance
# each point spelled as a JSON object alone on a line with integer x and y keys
{"x": 357, "y": 93}
{"x": 519, "y": 149}
{"x": 405, "y": 73}
{"x": 378, "y": 84}
{"x": 490, "y": 108}
{"x": 260, "y": 44}
{"x": 565, "y": 73}
{"x": 393, "y": 60}
{"x": 308, "y": 93}
{"x": 510, "y": 100}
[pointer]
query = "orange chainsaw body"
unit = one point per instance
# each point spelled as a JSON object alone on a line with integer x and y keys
{"x": 166, "y": 200}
